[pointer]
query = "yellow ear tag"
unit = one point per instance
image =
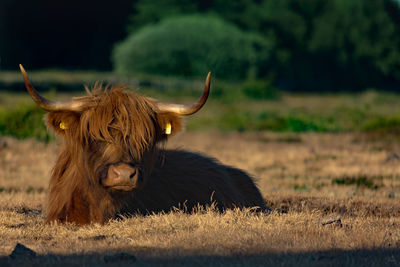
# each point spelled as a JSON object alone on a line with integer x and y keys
{"x": 63, "y": 125}
{"x": 168, "y": 128}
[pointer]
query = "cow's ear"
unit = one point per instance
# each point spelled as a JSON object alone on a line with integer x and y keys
{"x": 170, "y": 123}
{"x": 62, "y": 122}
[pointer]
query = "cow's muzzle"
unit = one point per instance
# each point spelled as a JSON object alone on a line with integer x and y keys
{"x": 123, "y": 177}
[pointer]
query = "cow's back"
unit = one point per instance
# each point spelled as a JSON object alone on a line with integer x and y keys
{"x": 186, "y": 180}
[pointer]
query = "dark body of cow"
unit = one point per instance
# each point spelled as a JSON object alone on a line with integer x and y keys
{"x": 112, "y": 160}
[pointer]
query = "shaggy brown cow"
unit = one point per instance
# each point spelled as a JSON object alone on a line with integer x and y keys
{"x": 111, "y": 161}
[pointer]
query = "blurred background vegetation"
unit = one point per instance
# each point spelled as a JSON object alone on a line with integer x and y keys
{"x": 267, "y": 53}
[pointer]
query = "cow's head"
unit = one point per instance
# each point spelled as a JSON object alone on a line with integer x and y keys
{"x": 110, "y": 135}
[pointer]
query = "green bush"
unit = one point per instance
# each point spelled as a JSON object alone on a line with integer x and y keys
{"x": 24, "y": 122}
{"x": 191, "y": 45}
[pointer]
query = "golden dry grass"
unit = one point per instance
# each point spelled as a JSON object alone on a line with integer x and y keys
{"x": 299, "y": 175}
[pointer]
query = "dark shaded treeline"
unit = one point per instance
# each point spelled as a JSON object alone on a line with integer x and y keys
{"x": 331, "y": 45}
{"x": 68, "y": 34}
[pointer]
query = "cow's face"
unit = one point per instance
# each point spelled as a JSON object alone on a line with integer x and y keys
{"x": 113, "y": 140}
{"x": 111, "y": 136}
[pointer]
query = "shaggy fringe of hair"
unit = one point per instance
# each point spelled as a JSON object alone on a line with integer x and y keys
{"x": 116, "y": 122}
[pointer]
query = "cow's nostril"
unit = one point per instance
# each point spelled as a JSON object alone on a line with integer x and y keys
{"x": 132, "y": 175}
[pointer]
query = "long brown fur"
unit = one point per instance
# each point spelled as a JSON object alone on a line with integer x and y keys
{"x": 119, "y": 126}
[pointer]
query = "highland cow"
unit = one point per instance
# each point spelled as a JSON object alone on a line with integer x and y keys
{"x": 113, "y": 162}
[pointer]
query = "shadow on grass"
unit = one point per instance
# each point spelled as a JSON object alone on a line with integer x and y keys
{"x": 367, "y": 257}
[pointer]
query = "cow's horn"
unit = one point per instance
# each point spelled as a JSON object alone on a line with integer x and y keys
{"x": 190, "y": 108}
{"x": 48, "y": 104}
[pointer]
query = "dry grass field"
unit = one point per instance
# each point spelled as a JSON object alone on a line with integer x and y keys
{"x": 336, "y": 199}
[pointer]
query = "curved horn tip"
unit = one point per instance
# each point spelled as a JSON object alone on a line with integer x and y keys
{"x": 24, "y": 74}
{"x": 22, "y": 69}
{"x": 208, "y": 76}
{"x": 208, "y": 81}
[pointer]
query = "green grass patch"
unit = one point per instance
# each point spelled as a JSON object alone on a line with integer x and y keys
{"x": 361, "y": 181}
{"x": 28, "y": 190}
{"x": 272, "y": 121}
{"x": 387, "y": 124}
{"x": 260, "y": 89}
{"x": 24, "y": 122}
{"x": 300, "y": 188}
{"x": 249, "y": 106}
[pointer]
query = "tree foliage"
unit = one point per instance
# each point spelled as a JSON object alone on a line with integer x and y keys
{"x": 191, "y": 45}
{"x": 312, "y": 44}
{"x": 317, "y": 45}
{"x": 359, "y": 38}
